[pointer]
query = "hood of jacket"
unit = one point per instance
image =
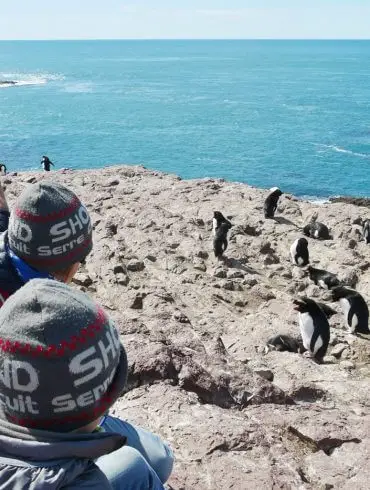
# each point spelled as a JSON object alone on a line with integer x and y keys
{"x": 38, "y": 445}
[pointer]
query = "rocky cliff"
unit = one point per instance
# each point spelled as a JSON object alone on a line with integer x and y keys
{"x": 195, "y": 328}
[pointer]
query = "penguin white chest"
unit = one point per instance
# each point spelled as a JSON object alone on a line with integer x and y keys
{"x": 346, "y": 306}
{"x": 293, "y": 251}
{"x": 214, "y": 226}
{"x": 307, "y": 328}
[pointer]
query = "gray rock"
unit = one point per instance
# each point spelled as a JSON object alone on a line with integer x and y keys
{"x": 249, "y": 281}
{"x": 82, "y": 279}
{"x": 135, "y": 265}
{"x": 220, "y": 272}
{"x": 202, "y": 254}
{"x": 264, "y": 372}
{"x": 347, "y": 365}
{"x": 338, "y": 349}
{"x": 228, "y": 285}
{"x": 265, "y": 248}
{"x": 199, "y": 265}
{"x": 151, "y": 258}
{"x": 235, "y": 274}
{"x": 111, "y": 182}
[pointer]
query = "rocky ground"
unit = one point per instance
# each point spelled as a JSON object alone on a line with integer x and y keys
{"x": 195, "y": 328}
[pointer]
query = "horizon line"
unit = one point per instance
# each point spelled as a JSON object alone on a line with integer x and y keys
{"x": 187, "y": 39}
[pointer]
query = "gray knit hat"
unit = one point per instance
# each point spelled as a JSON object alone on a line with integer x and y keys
{"x": 61, "y": 361}
{"x": 49, "y": 228}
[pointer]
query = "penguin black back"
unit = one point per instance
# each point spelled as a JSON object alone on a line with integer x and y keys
{"x": 355, "y": 309}
{"x": 220, "y": 241}
{"x": 329, "y": 312}
{"x": 315, "y": 229}
{"x": 322, "y": 278}
{"x": 299, "y": 252}
{"x": 219, "y": 218}
{"x": 271, "y": 202}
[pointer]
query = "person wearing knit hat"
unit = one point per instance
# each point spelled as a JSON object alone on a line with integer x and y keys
{"x": 61, "y": 368}
{"x": 49, "y": 234}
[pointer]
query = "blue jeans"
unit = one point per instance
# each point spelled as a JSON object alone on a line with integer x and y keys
{"x": 156, "y": 452}
{"x": 126, "y": 469}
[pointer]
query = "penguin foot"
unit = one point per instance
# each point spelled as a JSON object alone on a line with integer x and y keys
{"x": 308, "y": 354}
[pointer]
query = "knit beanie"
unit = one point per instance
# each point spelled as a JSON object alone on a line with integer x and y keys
{"x": 49, "y": 228}
{"x": 61, "y": 361}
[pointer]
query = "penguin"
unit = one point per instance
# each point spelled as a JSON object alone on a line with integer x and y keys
{"x": 299, "y": 252}
{"x": 218, "y": 218}
{"x": 355, "y": 309}
{"x": 324, "y": 279}
{"x": 315, "y": 229}
{"x": 366, "y": 230}
{"x": 314, "y": 327}
{"x": 329, "y": 312}
{"x": 271, "y": 202}
{"x": 283, "y": 343}
{"x": 220, "y": 240}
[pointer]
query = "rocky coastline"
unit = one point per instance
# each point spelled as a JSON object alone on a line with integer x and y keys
{"x": 195, "y": 328}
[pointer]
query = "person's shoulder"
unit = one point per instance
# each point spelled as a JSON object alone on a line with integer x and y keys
{"x": 92, "y": 478}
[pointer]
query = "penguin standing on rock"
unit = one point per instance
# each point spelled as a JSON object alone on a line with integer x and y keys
{"x": 366, "y": 230}
{"x": 324, "y": 279}
{"x": 299, "y": 252}
{"x": 271, "y": 202}
{"x": 220, "y": 241}
{"x": 218, "y": 219}
{"x": 314, "y": 327}
{"x": 355, "y": 309}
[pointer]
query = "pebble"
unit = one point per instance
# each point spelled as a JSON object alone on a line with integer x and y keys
{"x": 220, "y": 272}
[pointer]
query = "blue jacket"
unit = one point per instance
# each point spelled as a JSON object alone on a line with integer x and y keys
{"x": 10, "y": 279}
{"x": 41, "y": 460}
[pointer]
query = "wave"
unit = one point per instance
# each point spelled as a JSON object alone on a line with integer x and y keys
{"x": 314, "y": 199}
{"x": 338, "y": 149}
{"x": 20, "y": 79}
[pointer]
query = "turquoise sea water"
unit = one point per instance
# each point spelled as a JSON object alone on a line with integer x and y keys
{"x": 295, "y": 114}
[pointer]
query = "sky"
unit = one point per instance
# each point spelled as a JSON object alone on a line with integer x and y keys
{"x": 184, "y": 19}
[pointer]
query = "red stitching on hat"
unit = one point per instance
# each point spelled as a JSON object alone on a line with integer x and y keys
{"x": 26, "y": 215}
{"x": 57, "y": 350}
{"x": 61, "y": 258}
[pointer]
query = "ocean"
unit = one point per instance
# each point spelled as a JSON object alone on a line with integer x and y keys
{"x": 293, "y": 114}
